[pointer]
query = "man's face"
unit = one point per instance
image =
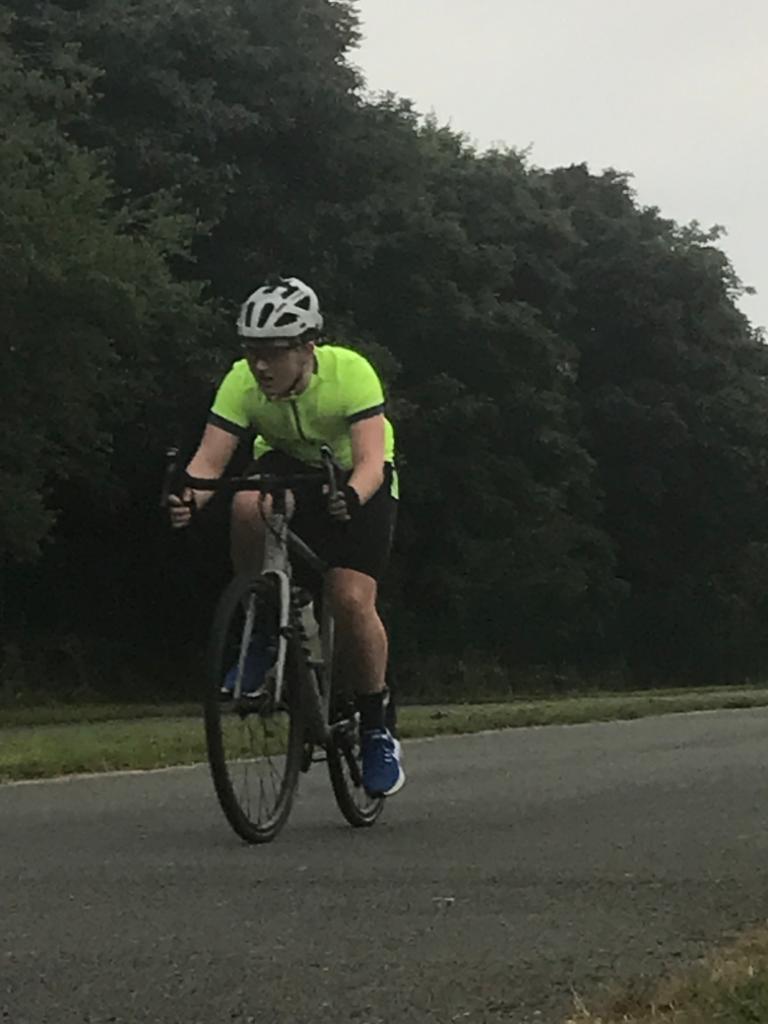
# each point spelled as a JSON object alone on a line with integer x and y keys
{"x": 276, "y": 366}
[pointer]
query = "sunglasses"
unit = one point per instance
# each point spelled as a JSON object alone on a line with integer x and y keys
{"x": 270, "y": 350}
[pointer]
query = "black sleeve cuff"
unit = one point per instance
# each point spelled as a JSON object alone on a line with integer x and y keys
{"x": 228, "y": 425}
{"x": 366, "y": 414}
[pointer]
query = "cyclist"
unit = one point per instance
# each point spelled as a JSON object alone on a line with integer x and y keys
{"x": 298, "y": 396}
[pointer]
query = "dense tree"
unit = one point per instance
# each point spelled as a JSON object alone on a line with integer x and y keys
{"x": 673, "y": 385}
{"x": 580, "y": 405}
{"x": 87, "y": 296}
{"x": 235, "y": 108}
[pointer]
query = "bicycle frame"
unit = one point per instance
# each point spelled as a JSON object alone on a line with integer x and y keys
{"x": 298, "y": 686}
{"x": 277, "y": 564}
{"x": 280, "y": 542}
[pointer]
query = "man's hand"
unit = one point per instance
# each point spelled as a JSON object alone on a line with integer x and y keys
{"x": 180, "y": 509}
{"x": 343, "y": 505}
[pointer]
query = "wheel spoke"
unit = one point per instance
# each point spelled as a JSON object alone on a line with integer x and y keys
{"x": 345, "y": 769}
{"x": 254, "y": 751}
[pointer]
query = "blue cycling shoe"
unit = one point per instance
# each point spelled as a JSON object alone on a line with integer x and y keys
{"x": 383, "y": 773}
{"x": 258, "y": 661}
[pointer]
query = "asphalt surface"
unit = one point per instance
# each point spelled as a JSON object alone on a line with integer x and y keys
{"x": 514, "y": 869}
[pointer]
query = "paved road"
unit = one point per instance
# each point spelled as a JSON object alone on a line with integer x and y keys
{"x": 514, "y": 867}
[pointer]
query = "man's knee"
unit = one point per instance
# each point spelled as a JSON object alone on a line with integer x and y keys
{"x": 353, "y": 595}
{"x": 246, "y": 510}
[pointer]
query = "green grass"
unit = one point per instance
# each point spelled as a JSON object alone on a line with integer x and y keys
{"x": 39, "y": 742}
{"x": 730, "y": 986}
{"x": 39, "y": 751}
{"x": 53, "y": 714}
{"x": 569, "y": 710}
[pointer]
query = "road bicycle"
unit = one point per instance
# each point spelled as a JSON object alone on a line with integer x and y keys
{"x": 259, "y": 742}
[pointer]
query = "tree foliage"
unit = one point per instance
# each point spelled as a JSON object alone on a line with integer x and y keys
{"x": 580, "y": 405}
{"x": 91, "y": 313}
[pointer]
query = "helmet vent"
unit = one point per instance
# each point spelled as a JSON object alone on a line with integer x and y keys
{"x": 265, "y": 313}
{"x": 281, "y": 308}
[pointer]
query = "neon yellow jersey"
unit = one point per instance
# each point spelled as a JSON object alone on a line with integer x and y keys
{"x": 343, "y": 390}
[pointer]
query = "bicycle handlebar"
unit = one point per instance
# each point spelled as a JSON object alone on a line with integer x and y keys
{"x": 255, "y": 482}
{"x": 176, "y": 481}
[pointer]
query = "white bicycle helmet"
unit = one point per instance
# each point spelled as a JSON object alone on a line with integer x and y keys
{"x": 282, "y": 308}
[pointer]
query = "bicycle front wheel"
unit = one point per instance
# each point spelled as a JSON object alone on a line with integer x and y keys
{"x": 255, "y": 746}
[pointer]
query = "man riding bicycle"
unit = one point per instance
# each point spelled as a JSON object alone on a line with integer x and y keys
{"x": 297, "y": 397}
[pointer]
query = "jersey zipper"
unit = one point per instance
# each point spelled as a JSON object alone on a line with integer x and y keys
{"x": 298, "y": 422}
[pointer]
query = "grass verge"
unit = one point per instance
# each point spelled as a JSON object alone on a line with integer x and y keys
{"x": 729, "y": 986}
{"x": 40, "y": 742}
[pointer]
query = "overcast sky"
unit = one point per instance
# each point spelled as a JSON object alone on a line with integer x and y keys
{"x": 674, "y": 91}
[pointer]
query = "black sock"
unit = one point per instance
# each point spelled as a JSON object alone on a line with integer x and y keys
{"x": 371, "y": 708}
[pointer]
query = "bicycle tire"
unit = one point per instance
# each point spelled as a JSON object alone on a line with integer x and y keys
{"x": 345, "y": 771}
{"x": 280, "y": 759}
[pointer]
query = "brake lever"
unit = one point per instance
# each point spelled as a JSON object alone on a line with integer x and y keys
{"x": 169, "y": 475}
{"x": 331, "y": 466}
{"x": 170, "y": 484}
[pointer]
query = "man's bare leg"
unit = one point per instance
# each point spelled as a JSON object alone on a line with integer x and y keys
{"x": 362, "y": 661}
{"x": 246, "y": 538}
{"x": 361, "y": 637}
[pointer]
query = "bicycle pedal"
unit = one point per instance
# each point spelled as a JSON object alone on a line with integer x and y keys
{"x": 256, "y": 703}
{"x": 345, "y": 730}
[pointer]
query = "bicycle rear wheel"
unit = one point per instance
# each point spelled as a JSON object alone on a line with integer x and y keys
{"x": 254, "y": 745}
{"x": 346, "y": 771}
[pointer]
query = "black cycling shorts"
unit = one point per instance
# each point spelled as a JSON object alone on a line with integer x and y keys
{"x": 364, "y": 543}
